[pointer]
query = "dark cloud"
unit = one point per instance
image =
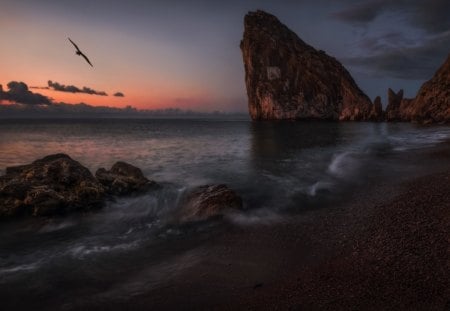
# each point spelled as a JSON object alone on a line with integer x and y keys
{"x": 19, "y": 93}
{"x": 363, "y": 12}
{"x": 73, "y": 89}
{"x": 410, "y": 62}
{"x": 119, "y": 94}
{"x": 379, "y": 44}
{"x": 412, "y": 51}
{"x": 431, "y": 16}
{"x": 39, "y": 87}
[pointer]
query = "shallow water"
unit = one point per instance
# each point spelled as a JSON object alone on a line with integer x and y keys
{"x": 279, "y": 168}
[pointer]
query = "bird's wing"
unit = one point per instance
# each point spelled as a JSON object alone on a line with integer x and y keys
{"x": 87, "y": 59}
{"x": 74, "y": 45}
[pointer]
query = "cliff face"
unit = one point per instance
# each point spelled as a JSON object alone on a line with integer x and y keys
{"x": 432, "y": 103}
{"x": 288, "y": 79}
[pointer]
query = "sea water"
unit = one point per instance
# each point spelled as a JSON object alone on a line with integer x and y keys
{"x": 278, "y": 168}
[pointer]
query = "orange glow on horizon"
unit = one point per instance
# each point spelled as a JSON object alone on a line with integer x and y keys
{"x": 139, "y": 99}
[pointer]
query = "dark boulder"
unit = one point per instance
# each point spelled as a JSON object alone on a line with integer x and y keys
{"x": 208, "y": 201}
{"x": 124, "y": 179}
{"x": 55, "y": 184}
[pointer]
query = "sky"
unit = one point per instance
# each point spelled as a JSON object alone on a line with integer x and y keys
{"x": 185, "y": 54}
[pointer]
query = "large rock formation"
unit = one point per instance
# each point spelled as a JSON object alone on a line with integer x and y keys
{"x": 288, "y": 79}
{"x": 124, "y": 179}
{"x": 208, "y": 201}
{"x": 432, "y": 103}
{"x": 55, "y": 184}
{"x": 377, "y": 110}
{"x": 393, "y": 107}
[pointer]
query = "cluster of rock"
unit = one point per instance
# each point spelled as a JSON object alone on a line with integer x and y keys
{"x": 288, "y": 79}
{"x": 124, "y": 179}
{"x": 57, "y": 184}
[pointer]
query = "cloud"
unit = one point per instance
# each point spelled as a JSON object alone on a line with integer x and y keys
{"x": 119, "y": 94}
{"x": 73, "y": 89}
{"x": 409, "y": 62}
{"x": 413, "y": 50}
{"x": 39, "y": 87}
{"x": 39, "y": 106}
{"x": 362, "y": 13}
{"x": 430, "y": 16}
{"x": 19, "y": 93}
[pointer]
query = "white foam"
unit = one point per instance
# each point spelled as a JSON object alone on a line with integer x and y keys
{"x": 342, "y": 164}
{"x": 82, "y": 251}
{"x": 20, "y": 268}
{"x": 320, "y": 185}
{"x": 51, "y": 227}
{"x": 258, "y": 217}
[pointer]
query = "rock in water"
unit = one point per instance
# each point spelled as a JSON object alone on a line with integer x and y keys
{"x": 124, "y": 179}
{"x": 208, "y": 201}
{"x": 432, "y": 103}
{"x": 55, "y": 184}
{"x": 288, "y": 79}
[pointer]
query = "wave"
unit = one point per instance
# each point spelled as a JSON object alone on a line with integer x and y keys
{"x": 343, "y": 164}
{"x": 261, "y": 216}
{"x": 319, "y": 186}
{"x": 52, "y": 227}
{"x": 82, "y": 251}
{"x": 20, "y": 268}
{"x": 419, "y": 140}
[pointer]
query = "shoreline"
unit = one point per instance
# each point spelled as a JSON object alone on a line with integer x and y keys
{"x": 382, "y": 248}
{"x": 389, "y": 254}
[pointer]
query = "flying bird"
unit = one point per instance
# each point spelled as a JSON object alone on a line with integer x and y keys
{"x": 78, "y": 52}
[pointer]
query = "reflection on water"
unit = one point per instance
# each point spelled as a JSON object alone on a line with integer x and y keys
{"x": 174, "y": 150}
{"x": 268, "y": 163}
{"x": 128, "y": 247}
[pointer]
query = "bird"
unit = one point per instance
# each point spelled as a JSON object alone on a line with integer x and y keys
{"x": 78, "y": 52}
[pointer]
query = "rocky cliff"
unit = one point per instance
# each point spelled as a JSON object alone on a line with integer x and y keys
{"x": 432, "y": 103}
{"x": 289, "y": 79}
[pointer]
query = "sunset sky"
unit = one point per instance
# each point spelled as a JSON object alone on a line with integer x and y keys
{"x": 186, "y": 54}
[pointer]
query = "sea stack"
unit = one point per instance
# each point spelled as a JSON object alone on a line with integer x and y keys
{"x": 377, "y": 110}
{"x": 393, "y": 107}
{"x": 288, "y": 79}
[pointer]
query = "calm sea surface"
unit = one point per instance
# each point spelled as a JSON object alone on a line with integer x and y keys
{"x": 279, "y": 168}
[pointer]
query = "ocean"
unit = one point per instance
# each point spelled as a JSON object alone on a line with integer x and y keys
{"x": 130, "y": 246}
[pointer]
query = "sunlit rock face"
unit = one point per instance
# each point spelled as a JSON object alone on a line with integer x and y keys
{"x": 124, "y": 179}
{"x": 288, "y": 79}
{"x": 53, "y": 185}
